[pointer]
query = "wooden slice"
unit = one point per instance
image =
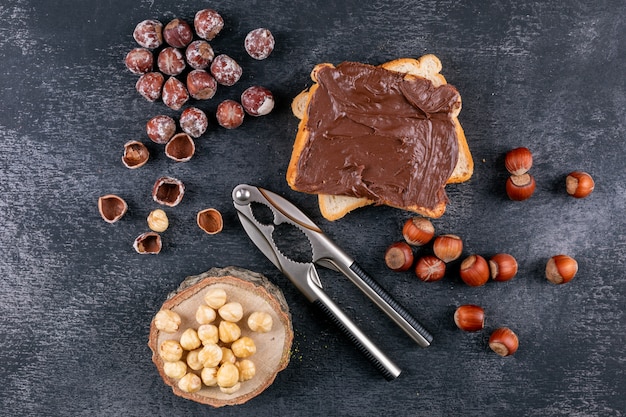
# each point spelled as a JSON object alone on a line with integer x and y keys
{"x": 255, "y": 293}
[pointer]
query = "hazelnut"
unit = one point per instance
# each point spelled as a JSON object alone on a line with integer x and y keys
{"x": 243, "y": 347}
{"x": 205, "y": 314}
{"x": 227, "y": 375}
{"x": 193, "y": 122}
{"x": 193, "y": 360}
{"x": 260, "y": 322}
{"x": 579, "y": 184}
{"x": 399, "y": 256}
{"x": 228, "y": 355}
{"x": 503, "y": 341}
{"x": 201, "y": 85}
{"x": 171, "y": 61}
{"x": 229, "y": 331}
{"x": 208, "y": 334}
{"x": 418, "y": 231}
{"x": 190, "y": 383}
{"x": 231, "y": 390}
{"x": 170, "y": 350}
{"x": 520, "y": 187}
{"x": 518, "y": 161}
{"x": 257, "y": 101}
{"x": 259, "y": 43}
{"x": 232, "y": 311}
{"x": 502, "y": 266}
{"x": 135, "y": 154}
{"x": 474, "y": 271}
{"x": 210, "y": 220}
{"x": 208, "y": 24}
{"x": 167, "y": 321}
{"x": 209, "y": 376}
{"x": 139, "y": 61}
{"x": 448, "y": 247}
{"x": 199, "y": 54}
{"x": 180, "y": 148}
{"x": 177, "y": 33}
{"x": 174, "y": 93}
{"x": 210, "y": 355}
{"x": 189, "y": 340}
{"x": 149, "y": 85}
{"x": 157, "y": 221}
{"x": 469, "y": 318}
{"x": 430, "y": 268}
{"x": 149, "y": 33}
{"x": 175, "y": 370}
{"x": 148, "y": 243}
{"x": 215, "y": 297}
{"x": 112, "y": 207}
{"x": 561, "y": 269}
{"x": 225, "y": 70}
{"x": 161, "y": 128}
{"x": 247, "y": 369}
{"x": 230, "y": 114}
{"x": 168, "y": 191}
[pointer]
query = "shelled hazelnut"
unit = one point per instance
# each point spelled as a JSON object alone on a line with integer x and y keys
{"x": 201, "y": 85}
{"x": 193, "y": 122}
{"x": 260, "y": 322}
{"x": 229, "y": 114}
{"x": 208, "y": 24}
{"x": 225, "y": 70}
{"x": 177, "y": 33}
{"x": 190, "y": 383}
{"x": 257, "y": 100}
{"x": 167, "y": 321}
{"x": 149, "y": 33}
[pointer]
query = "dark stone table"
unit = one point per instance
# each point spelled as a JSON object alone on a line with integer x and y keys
{"x": 76, "y": 300}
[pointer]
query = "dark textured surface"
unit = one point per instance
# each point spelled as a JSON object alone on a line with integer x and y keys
{"x": 76, "y": 300}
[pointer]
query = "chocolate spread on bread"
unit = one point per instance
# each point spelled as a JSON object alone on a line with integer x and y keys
{"x": 379, "y": 134}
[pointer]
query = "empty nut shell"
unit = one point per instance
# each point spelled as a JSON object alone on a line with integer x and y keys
{"x": 148, "y": 243}
{"x": 135, "y": 154}
{"x": 210, "y": 220}
{"x": 168, "y": 191}
{"x": 180, "y": 148}
{"x": 112, "y": 207}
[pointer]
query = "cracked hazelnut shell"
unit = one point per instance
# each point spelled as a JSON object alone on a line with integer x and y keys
{"x": 168, "y": 191}
{"x": 210, "y": 220}
{"x": 135, "y": 154}
{"x": 112, "y": 207}
{"x": 148, "y": 243}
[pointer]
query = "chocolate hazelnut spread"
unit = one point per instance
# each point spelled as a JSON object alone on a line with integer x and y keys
{"x": 379, "y": 134}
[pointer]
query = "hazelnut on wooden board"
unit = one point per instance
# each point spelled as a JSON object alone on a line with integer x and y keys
{"x": 210, "y": 220}
{"x": 168, "y": 191}
{"x": 260, "y": 321}
{"x": 167, "y": 321}
{"x": 135, "y": 154}
{"x": 199, "y": 54}
{"x": 112, "y": 207}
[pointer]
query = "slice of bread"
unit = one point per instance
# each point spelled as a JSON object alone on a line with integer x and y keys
{"x": 334, "y": 207}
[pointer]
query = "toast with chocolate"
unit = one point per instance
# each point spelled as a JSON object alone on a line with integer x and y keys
{"x": 385, "y": 134}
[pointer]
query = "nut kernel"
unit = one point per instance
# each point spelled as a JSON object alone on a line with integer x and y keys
{"x": 205, "y": 314}
{"x": 210, "y": 355}
{"x": 170, "y": 350}
{"x": 193, "y": 361}
{"x": 167, "y": 321}
{"x": 215, "y": 297}
{"x": 232, "y": 311}
{"x": 229, "y": 331}
{"x": 227, "y": 375}
{"x": 209, "y": 376}
{"x": 260, "y": 322}
{"x": 175, "y": 370}
{"x": 190, "y": 383}
{"x": 231, "y": 390}
{"x": 189, "y": 340}
{"x": 247, "y": 369}
{"x": 208, "y": 334}
{"x": 158, "y": 221}
{"x": 228, "y": 356}
{"x": 243, "y": 347}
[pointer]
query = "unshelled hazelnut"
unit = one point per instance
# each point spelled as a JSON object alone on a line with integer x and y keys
{"x": 430, "y": 268}
{"x": 135, "y": 155}
{"x": 209, "y": 376}
{"x": 502, "y": 266}
{"x": 399, "y": 256}
{"x": 175, "y": 93}
{"x": 260, "y": 322}
{"x": 199, "y": 54}
{"x": 227, "y": 375}
{"x": 232, "y": 311}
{"x": 201, "y": 85}
{"x": 112, "y": 207}
{"x": 520, "y": 187}
{"x": 518, "y": 161}
{"x": 469, "y": 317}
{"x": 210, "y": 355}
{"x": 208, "y": 23}
{"x": 170, "y": 350}
{"x": 148, "y": 243}
{"x": 215, "y": 297}
{"x": 168, "y": 191}
{"x": 189, "y": 340}
{"x": 231, "y": 390}
{"x": 205, "y": 314}
{"x": 158, "y": 221}
{"x": 229, "y": 331}
{"x": 448, "y": 247}
{"x": 210, "y": 220}
{"x": 177, "y": 33}
{"x": 149, "y": 33}
{"x": 175, "y": 370}
{"x": 247, "y": 369}
{"x": 161, "y": 128}
{"x": 193, "y": 122}
{"x": 190, "y": 383}
{"x": 139, "y": 61}
{"x": 579, "y": 184}
{"x": 167, "y": 321}
{"x": 180, "y": 148}
{"x": 503, "y": 341}
{"x": 561, "y": 269}
{"x": 418, "y": 231}
{"x": 171, "y": 61}
{"x": 243, "y": 347}
{"x": 474, "y": 271}
{"x": 150, "y": 85}
{"x": 208, "y": 334}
